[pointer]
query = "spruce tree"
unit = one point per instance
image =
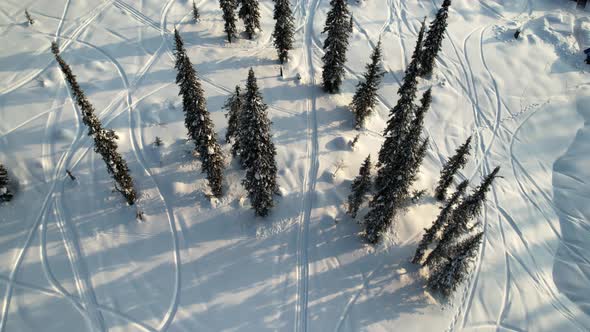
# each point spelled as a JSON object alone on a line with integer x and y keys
{"x": 365, "y": 97}
{"x": 29, "y": 18}
{"x": 433, "y": 42}
{"x": 196, "y": 14}
{"x": 449, "y": 170}
{"x": 446, "y": 279}
{"x": 233, "y": 105}
{"x": 284, "y": 29}
{"x": 228, "y": 7}
{"x": 104, "y": 139}
{"x": 360, "y": 187}
{"x": 197, "y": 119}
{"x": 419, "y": 48}
{"x": 335, "y": 45}
{"x": 5, "y": 193}
{"x": 257, "y": 149}
{"x": 458, "y": 223}
{"x": 431, "y": 233}
{"x": 250, "y": 14}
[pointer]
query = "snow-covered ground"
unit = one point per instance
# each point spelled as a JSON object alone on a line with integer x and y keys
{"x": 73, "y": 257}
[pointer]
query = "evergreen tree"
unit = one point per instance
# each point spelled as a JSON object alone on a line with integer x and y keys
{"x": 29, "y": 18}
{"x": 234, "y": 106}
{"x": 433, "y": 42}
{"x": 284, "y": 29}
{"x": 419, "y": 49}
{"x": 396, "y": 176}
{"x": 360, "y": 187}
{"x": 196, "y": 14}
{"x": 250, "y": 14}
{"x": 257, "y": 149}
{"x": 450, "y": 169}
{"x": 365, "y": 97}
{"x": 335, "y": 45}
{"x": 197, "y": 119}
{"x": 448, "y": 277}
{"x": 228, "y": 7}
{"x": 104, "y": 139}
{"x": 5, "y": 193}
{"x": 431, "y": 233}
{"x": 458, "y": 223}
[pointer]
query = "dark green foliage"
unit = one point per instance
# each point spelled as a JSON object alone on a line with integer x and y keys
{"x": 257, "y": 151}
{"x": 233, "y": 105}
{"x": 431, "y": 234}
{"x": 335, "y": 46}
{"x": 365, "y": 97}
{"x": 197, "y": 119}
{"x": 446, "y": 279}
{"x": 458, "y": 223}
{"x": 196, "y": 14}
{"x": 5, "y": 193}
{"x": 449, "y": 170}
{"x": 104, "y": 139}
{"x": 360, "y": 187}
{"x": 433, "y": 42}
{"x": 228, "y": 7}
{"x": 284, "y": 29}
{"x": 250, "y": 14}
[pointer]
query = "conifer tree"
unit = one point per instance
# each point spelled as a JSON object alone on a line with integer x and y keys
{"x": 29, "y": 18}
{"x": 250, "y": 14}
{"x": 455, "y": 271}
{"x": 233, "y": 105}
{"x": 458, "y": 224}
{"x": 5, "y": 193}
{"x": 365, "y": 97}
{"x": 360, "y": 187}
{"x": 104, "y": 139}
{"x": 449, "y": 170}
{"x": 257, "y": 149}
{"x": 196, "y": 14}
{"x": 335, "y": 45}
{"x": 433, "y": 42}
{"x": 284, "y": 29}
{"x": 419, "y": 48}
{"x": 228, "y": 7}
{"x": 431, "y": 233}
{"x": 197, "y": 119}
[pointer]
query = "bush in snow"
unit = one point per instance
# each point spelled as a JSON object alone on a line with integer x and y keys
{"x": 29, "y": 18}
{"x": 197, "y": 119}
{"x": 104, "y": 139}
{"x": 360, "y": 187}
{"x": 5, "y": 194}
{"x": 257, "y": 149}
{"x": 196, "y": 14}
{"x": 335, "y": 45}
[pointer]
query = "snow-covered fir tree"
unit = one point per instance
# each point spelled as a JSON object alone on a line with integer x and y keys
{"x": 365, "y": 97}
{"x": 431, "y": 234}
{"x": 228, "y": 8}
{"x": 257, "y": 149}
{"x": 283, "y": 33}
{"x": 233, "y": 105}
{"x": 197, "y": 119}
{"x": 419, "y": 48}
{"x": 29, "y": 18}
{"x": 5, "y": 193}
{"x": 104, "y": 139}
{"x": 433, "y": 42}
{"x": 446, "y": 279}
{"x": 360, "y": 187}
{"x": 196, "y": 14}
{"x": 335, "y": 45}
{"x": 459, "y": 223}
{"x": 250, "y": 15}
{"x": 397, "y": 174}
{"x": 449, "y": 170}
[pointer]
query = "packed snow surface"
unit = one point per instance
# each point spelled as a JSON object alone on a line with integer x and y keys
{"x": 73, "y": 256}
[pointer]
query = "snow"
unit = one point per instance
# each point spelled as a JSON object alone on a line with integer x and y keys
{"x": 73, "y": 257}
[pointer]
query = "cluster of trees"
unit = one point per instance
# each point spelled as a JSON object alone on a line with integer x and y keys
{"x": 104, "y": 139}
{"x": 248, "y": 132}
{"x": 248, "y": 12}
